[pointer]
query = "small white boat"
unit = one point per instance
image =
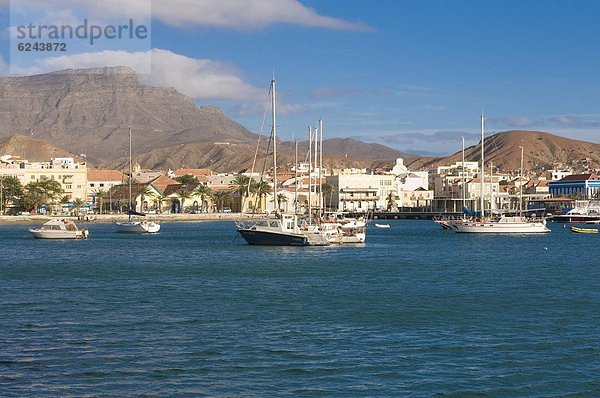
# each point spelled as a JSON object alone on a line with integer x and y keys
{"x": 59, "y": 229}
{"x": 138, "y": 227}
{"x": 382, "y": 225}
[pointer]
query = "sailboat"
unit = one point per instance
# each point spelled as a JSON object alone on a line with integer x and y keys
{"x": 134, "y": 226}
{"x": 504, "y": 224}
{"x": 283, "y": 230}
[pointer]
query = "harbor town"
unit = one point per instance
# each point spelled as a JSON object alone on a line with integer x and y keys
{"x": 66, "y": 186}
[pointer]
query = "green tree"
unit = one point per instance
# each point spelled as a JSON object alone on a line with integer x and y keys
{"x": 220, "y": 198}
{"x": 78, "y": 203}
{"x": 240, "y": 185}
{"x": 205, "y": 192}
{"x": 39, "y": 193}
{"x": 101, "y": 195}
{"x": 327, "y": 192}
{"x": 260, "y": 189}
{"x": 281, "y": 198}
{"x": 12, "y": 191}
{"x": 183, "y": 194}
{"x": 159, "y": 199}
{"x": 144, "y": 193}
{"x": 186, "y": 179}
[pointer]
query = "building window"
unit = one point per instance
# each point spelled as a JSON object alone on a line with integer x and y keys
{"x": 101, "y": 184}
{"x": 68, "y": 186}
{"x": 92, "y": 185}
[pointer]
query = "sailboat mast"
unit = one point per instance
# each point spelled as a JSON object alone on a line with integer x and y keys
{"x": 274, "y": 144}
{"x": 491, "y": 187}
{"x": 521, "y": 185}
{"x": 309, "y": 174}
{"x": 130, "y": 174}
{"x": 315, "y": 160}
{"x": 482, "y": 165}
{"x": 321, "y": 166}
{"x": 296, "y": 179}
{"x": 464, "y": 180}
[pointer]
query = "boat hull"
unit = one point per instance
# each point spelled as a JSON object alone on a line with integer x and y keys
{"x": 498, "y": 228}
{"x": 269, "y": 238}
{"x": 574, "y": 218}
{"x": 137, "y": 227}
{"x": 45, "y": 234}
{"x": 584, "y": 230}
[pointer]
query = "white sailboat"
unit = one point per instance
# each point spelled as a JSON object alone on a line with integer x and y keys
{"x": 503, "y": 224}
{"x": 134, "y": 226}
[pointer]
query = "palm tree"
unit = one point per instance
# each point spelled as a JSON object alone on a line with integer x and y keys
{"x": 281, "y": 198}
{"x": 261, "y": 189}
{"x": 327, "y": 192}
{"x": 146, "y": 191}
{"x": 78, "y": 203}
{"x": 183, "y": 194}
{"x": 205, "y": 192}
{"x": 158, "y": 199}
{"x": 100, "y": 195}
{"x": 241, "y": 185}
{"x": 220, "y": 198}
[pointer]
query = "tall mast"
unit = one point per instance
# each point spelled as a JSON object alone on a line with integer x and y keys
{"x": 463, "y": 174}
{"x": 521, "y": 185}
{"x": 130, "y": 173}
{"x": 315, "y": 161}
{"x": 274, "y": 144}
{"x": 309, "y": 174}
{"x": 296, "y": 179}
{"x": 491, "y": 187}
{"x": 321, "y": 207}
{"x": 482, "y": 165}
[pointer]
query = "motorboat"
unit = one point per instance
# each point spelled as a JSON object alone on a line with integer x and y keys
{"x": 382, "y": 225}
{"x": 59, "y": 229}
{"x": 579, "y": 230}
{"x": 583, "y": 211}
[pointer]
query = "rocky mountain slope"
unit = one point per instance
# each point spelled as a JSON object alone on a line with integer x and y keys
{"x": 31, "y": 149}
{"x": 541, "y": 150}
{"x": 89, "y": 111}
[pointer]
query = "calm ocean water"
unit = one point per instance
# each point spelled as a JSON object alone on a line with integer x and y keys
{"x": 193, "y": 311}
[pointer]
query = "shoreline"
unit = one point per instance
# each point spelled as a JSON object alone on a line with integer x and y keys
{"x": 109, "y": 218}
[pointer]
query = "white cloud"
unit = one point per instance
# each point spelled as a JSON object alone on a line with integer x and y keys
{"x": 236, "y": 14}
{"x": 201, "y": 79}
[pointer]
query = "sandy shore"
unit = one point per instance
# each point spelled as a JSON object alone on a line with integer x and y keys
{"x": 107, "y": 218}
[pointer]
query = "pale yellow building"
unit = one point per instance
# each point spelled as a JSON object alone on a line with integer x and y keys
{"x": 72, "y": 176}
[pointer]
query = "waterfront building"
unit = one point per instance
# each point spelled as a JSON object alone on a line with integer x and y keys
{"x": 100, "y": 182}
{"x": 584, "y": 186}
{"x": 71, "y": 175}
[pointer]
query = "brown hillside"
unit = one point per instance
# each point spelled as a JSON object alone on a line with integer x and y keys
{"x": 31, "y": 149}
{"x": 541, "y": 151}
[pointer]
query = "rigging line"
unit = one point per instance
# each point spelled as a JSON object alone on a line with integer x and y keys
{"x": 262, "y": 127}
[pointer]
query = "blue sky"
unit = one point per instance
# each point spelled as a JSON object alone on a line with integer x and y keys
{"x": 413, "y": 75}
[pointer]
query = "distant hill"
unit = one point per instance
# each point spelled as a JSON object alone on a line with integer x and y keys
{"x": 541, "y": 150}
{"x": 89, "y": 111}
{"x": 31, "y": 149}
{"x": 351, "y": 148}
